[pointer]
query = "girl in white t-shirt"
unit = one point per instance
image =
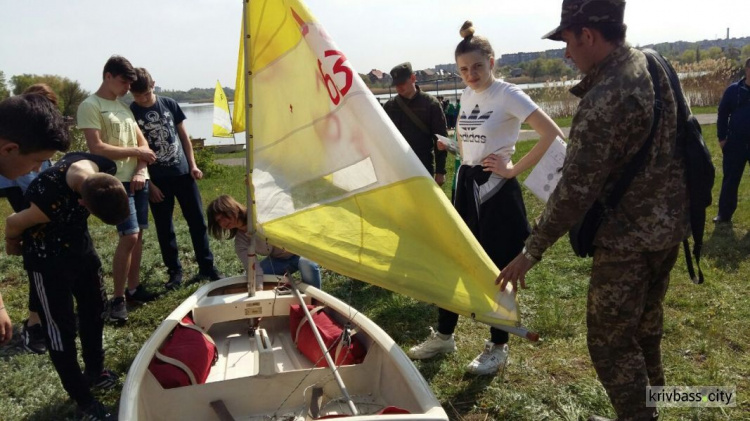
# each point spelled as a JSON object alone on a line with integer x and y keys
{"x": 488, "y": 196}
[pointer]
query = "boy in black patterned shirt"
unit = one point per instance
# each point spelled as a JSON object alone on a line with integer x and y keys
{"x": 61, "y": 260}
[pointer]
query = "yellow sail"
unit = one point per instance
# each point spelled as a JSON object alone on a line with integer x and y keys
{"x": 238, "y": 119}
{"x": 336, "y": 182}
{"x": 222, "y": 119}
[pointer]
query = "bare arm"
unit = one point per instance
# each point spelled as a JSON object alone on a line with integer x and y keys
{"x": 187, "y": 146}
{"x": 6, "y": 325}
{"x": 97, "y": 146}
{"x": 19, "y": 222}
{"x": 147, "y": 156}
{"x": 138, "y": 181}
{"x": 547, "y": 130}
{"x": 15, "y": 225}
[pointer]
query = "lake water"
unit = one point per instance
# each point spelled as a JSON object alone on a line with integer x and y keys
{"x": 200, "y": 124}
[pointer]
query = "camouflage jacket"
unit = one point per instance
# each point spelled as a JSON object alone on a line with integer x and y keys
{"x": 611, "y": 123}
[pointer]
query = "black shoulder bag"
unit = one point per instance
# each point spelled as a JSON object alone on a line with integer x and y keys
{"x": 582, "y": 234}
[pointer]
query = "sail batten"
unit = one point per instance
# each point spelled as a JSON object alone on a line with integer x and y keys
{"x": 336, "y": 182}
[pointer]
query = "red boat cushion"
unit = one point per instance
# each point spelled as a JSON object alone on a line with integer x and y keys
{"x": 330, "y": 331}
{"x": 187, "y": 348}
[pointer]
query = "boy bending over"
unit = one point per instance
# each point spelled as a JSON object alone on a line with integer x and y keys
{"x": 53, "y": 236}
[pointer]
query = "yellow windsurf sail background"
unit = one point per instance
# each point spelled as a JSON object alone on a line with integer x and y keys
{"x": 336, "y": 182}
{"x": 222, "y": 119}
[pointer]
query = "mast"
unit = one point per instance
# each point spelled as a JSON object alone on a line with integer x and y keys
{"x": 251, "y": 213}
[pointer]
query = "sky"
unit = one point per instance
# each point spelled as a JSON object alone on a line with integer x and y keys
{"x": 192, "y": 43}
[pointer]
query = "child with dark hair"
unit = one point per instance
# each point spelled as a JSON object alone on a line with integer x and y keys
{"x": 111, "y": 131}
{"x": 32, "y": 335}
{"x": 53, "y": 236}
{"x": 173, "y": 176}
{"x": 31, "y": 131}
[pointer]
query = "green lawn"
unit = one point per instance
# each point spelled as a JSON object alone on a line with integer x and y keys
{"x": 566, "y": 121}
{"x": 705, "y": 341}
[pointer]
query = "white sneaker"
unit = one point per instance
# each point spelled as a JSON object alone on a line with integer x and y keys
{"x": 490, "y": 360}
{"x": 432, "y": 346}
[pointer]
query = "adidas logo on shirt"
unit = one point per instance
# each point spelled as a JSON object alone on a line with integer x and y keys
{"x": 473, "y": 121}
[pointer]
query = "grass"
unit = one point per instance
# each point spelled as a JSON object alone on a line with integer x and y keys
{"x": 707, "y": 340}
{"x": 560, "y": 121}
{"x": 566, "y": 121}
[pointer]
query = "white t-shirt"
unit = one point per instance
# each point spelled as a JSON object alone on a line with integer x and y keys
{"x": 490, "y": 121}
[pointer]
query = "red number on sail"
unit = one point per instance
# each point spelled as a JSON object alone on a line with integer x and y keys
{"x": 333, "y": 91}
{"x": 339, "y": 67}
{"x": 330, "y": 84}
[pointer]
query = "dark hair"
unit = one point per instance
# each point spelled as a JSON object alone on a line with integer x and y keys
{"x": 106, "y": 198}
{"x": 119, "y": 66}
{"x": 143, "y": 81}
{"x": 34, "y": 123}
{"x": 42, "y": 89}
{"x": 472, "y": 43}
{"x": 613, "y": 32}
{"x": 747, "y": 63}
{"x": 226, "y": 206}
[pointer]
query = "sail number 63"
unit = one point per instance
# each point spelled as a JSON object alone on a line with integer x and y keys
{"x": 338, "y": 67}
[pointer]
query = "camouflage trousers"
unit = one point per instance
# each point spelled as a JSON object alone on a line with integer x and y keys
{"x": 624, "y": 317}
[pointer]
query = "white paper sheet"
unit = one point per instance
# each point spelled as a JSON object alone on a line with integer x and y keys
{"x": 450, "y": 143}
{"x": 545, "y": 175}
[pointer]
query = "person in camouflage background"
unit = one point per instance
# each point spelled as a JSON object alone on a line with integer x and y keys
{"x": 637, "y": 244}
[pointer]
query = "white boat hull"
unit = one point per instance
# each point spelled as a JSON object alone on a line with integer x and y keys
{"x": 262, "y": 380}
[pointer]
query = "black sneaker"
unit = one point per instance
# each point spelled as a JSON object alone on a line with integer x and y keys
{"x": 141, "y": 295}
{"x": 212, "y": 274}
{"x": 175, "y": 280}
{"x": 118, "y": 310}
{"x": 105, "y": 380}
{"x": 33, "y": 338}
{"x": 95, "y": 412}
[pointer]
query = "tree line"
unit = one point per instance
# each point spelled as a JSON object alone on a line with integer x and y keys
{"x": 69, "y": 92}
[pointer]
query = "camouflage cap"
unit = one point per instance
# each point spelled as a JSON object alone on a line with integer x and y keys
{"x": 576, "y": 12}
{"x": 401, "y": 73}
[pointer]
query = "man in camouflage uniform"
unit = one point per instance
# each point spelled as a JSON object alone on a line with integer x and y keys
{"x": 637, "y": 243}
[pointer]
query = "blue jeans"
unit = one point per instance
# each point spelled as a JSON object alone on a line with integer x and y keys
{"x": 138, "y": 219}
{"x": 309, "y": 270}
{"x": 185, "y": 190}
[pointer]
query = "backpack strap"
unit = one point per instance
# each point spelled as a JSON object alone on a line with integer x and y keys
{"x": 637, "y": 162}
{"x": 413, "y": 117}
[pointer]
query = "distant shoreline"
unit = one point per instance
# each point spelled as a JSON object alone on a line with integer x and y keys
{"x": 425, "y": 86}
